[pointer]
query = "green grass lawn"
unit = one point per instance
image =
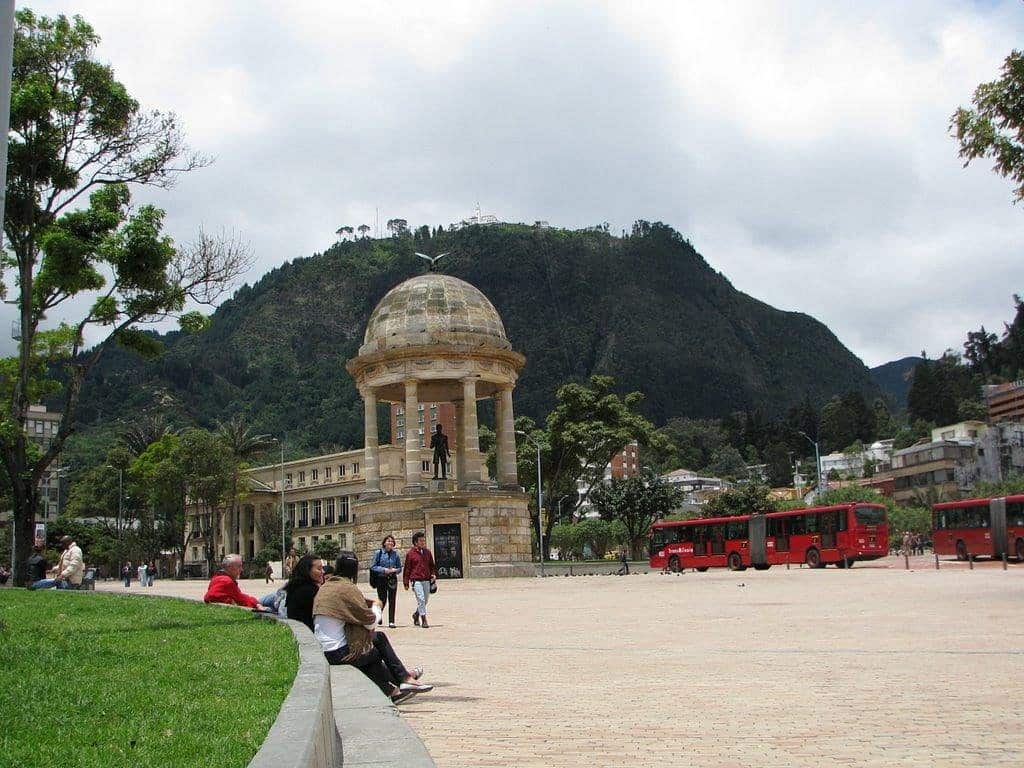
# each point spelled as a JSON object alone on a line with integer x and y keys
{"x": 90, "y": 680}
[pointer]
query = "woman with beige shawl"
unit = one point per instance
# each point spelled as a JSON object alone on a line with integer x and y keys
{"x": 345, "y": 624}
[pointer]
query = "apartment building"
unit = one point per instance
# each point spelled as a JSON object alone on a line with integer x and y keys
{"x": 1005, "y": 401}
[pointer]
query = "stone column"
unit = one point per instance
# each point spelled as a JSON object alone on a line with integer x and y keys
{"x": 470, "y": 480}
{"x": 257, "y": 540}
{"x": 371, "y": 450}
{"x": 508, "y": 477}
{"x": 413, "y": 472}
{"x": 458, "y": 468}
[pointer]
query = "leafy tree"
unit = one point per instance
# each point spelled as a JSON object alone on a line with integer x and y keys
{"x": 573, "y": 539}
{"x": 779, "y": 468}
{"x": 937, "y": 389}
{"x": 692, "y": 442}
{"x": 77, "y": 140}
{"x": 327, "y": 550}
{"x": 1013, "y": 484}
{"x": 911, "y": 433}
{"x": 728, "y": 463}
{"x": 162, "y": 469}
{"x": 746, "y": 499}
{"x": 846, "y": 419}
{"x": 635, "y": 502}
{"x": 588, "y": 426}
{"x": 995, "y": 126}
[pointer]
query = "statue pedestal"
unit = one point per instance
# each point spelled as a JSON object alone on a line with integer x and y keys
{"x": 442, "y": 485}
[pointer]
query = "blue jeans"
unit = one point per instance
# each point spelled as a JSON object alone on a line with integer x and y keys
{"x": 51, "y": 583}
{"x": 422, "y": 591}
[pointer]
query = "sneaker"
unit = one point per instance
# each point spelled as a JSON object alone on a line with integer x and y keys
{"x": 391, "y": 625}
{"x": 416, "y": 687}
{"x": 423, "y": 623}
{"x": 416, "y": 618}
{"x": 403, "y": 696}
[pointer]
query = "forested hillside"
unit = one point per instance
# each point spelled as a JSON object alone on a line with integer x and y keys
{"x": 894, "y": 378}
{"x": 646, "y": 309}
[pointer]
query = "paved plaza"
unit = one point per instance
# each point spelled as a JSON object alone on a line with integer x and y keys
{"x": 876, "y": 666}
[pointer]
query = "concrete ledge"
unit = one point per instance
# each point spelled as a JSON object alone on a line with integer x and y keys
{"x": 374, "y": 734}
{"x": 304, "y": 734}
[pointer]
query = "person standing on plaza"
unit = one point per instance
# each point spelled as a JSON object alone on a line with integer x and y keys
{"x": 421, "y": 573}
{"x": 151, "y": 572}
{"x": 142, "y": 573}
{"x": 126, "y": 574}
{"x": 386, "y": 566}
{"x": 268, "y": 574}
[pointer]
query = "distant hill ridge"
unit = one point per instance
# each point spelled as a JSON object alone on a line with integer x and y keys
{"x": 646, "y": 309}
{"x": 894, "y": 379}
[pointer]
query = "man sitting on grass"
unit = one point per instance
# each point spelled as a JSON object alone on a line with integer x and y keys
{"x": 224, "y": 586}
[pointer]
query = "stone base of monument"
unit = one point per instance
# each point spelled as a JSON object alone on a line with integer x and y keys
{"x": 471, "y": 533}
{"x": 442, "y": 485}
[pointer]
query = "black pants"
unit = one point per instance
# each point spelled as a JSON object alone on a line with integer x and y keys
{"x": 387, "y": 596}
{"x": 381, "y": 664}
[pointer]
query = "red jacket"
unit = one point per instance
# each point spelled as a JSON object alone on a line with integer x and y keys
{"x": 418, "y": 567}
{"x": 224, "y": 589}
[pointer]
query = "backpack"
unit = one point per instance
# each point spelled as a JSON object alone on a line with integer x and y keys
{"x": 377, "y": 579}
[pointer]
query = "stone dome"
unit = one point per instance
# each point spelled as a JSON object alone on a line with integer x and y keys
{"x": 434, "y": 309}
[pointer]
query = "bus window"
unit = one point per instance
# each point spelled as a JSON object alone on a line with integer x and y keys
{"x": 737, "y": 531}
{"x": 811, "y": 523}
{"x": 841, "y": 519}
{"x": 796, "y": 525}
{"x": 869, "y": 515}
{"x": 1015, "y": 513}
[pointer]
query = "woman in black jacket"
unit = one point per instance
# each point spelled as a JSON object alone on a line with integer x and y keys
{"x": 306, "y": 578}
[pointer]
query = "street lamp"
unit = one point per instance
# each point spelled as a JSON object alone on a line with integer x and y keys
{"x": 822, "y": 482}
{"x": 540, "y": 529}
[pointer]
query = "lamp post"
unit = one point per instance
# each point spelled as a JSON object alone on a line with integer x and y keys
{"x": 540, "y": 529}
{"x": 282, "y": 510}
{"x": 822, "y": 482}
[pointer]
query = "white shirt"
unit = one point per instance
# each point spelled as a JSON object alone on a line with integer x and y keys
{"x": 331, "y": 631}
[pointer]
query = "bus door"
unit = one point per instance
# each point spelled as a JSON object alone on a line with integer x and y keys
{"x": 778, "y": 528}
{"x": 827, "y": 525}
{"x": 758, "y": 527}
{"x": 999, "y": 542}
{"x": 718, "y": 540}
{"x": 700, "y": 541}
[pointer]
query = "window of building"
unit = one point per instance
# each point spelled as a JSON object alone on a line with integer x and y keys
{"x": 421, "y": 418}
{"x": 315, "y": 540}
{"x": 420, "y": 409}
{"x": 195, "y": 553}
{"x": 287, "y": 479}
{"x": 426, "y": 466}
{"x": 329, "y": 512}
{"x": 303, "y": 514}
{"x": 302, "y": 479}
{"x": 401, "y": 410}
{"x": 314, "y": 475}
{"x": 316, "y": 513}
{"x": 343, "y": 509}
{"x": 341, "y": 470}
{"x": 401, "y": 434}
{"x": 302, "y": 541}
{"x": 355, "y": 467}
{"x": 400, "y": 422}
{"x": 327, "y": 474}
{"x": 291, "y": 511}
{"x": 343, "y": 540}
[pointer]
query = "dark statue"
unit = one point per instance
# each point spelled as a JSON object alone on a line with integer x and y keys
{"x": 439, "y": 442}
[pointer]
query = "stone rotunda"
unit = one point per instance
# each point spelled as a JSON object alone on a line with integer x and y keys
{"x": 435, "y": 338}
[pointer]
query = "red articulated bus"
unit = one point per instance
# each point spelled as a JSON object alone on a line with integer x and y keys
{"x": 817, "y": 536}
{"x": 992, "y": 527}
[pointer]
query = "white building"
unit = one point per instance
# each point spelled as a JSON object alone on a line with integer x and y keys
{"x": 698, "y": 489}
{"x": 852, "y": 464}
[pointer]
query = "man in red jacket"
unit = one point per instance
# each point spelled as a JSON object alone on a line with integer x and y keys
{"x": 419, "y": 569}
{"x": 224, "y": 586}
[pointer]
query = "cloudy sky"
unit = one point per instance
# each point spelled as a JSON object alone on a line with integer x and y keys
{"x": 802, "y": 147}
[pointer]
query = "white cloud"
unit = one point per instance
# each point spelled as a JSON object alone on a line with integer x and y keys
{"x": 802, "y": 147}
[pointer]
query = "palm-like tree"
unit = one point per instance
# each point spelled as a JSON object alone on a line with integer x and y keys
{"x": 243, "y": 444}
{"x": 142, "y": 433}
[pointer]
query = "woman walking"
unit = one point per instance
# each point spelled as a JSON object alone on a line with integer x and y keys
{"x": 387, "y": 564}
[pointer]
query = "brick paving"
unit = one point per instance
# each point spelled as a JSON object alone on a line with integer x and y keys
{"x": 876, "y": 666}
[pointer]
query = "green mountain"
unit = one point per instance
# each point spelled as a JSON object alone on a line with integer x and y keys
{"x": 645, "y": 308}
{"x": 894, "y": 379}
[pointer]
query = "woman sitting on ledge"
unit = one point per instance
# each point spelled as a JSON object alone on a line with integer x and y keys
{"x": 345, "y": 624}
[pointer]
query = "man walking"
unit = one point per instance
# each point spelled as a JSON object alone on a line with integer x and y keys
{"x": 421, "y": 573}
